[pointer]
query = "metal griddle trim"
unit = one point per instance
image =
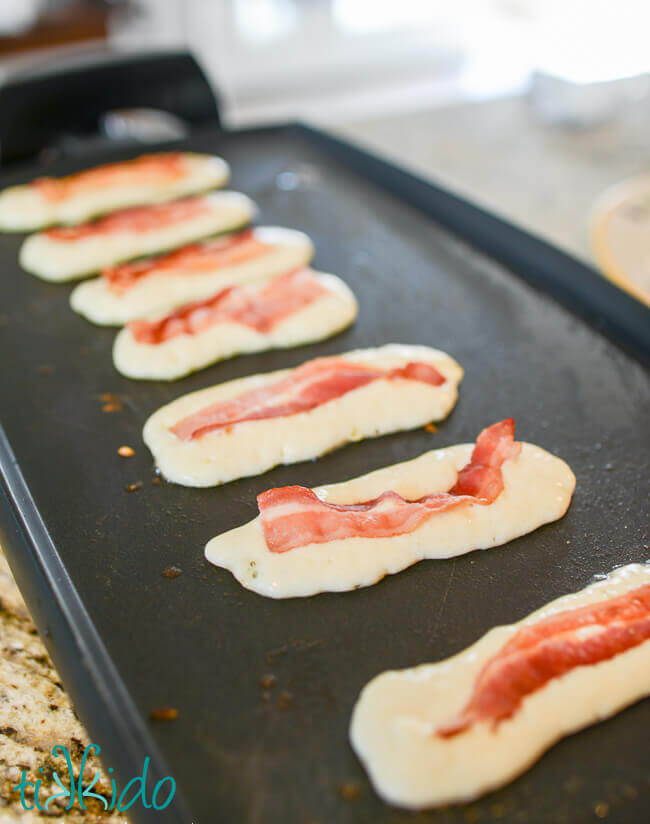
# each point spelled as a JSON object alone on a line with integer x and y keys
{"x": 74, "y": 644}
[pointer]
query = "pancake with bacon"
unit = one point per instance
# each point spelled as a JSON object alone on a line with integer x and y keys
{"x": 246, "y": 426}
{"x": 150, "y": 178}
{"x": 70, "y": 252}
{"x": 445, "y": 503}
{"x": 451, "y": 731}
{"x": 295, "y": 308}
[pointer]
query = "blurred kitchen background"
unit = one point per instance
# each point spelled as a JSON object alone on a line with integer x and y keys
{"x": 531, "y": 107}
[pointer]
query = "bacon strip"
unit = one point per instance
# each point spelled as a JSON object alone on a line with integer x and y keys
{"x": 551, "y": 648}
{"x": 141, "y": 170}
{"x": 294, "y": 516}
{"x": 206, "y": 255}
{"x": 136, "y": 219}
{"x": 310, "y": 385}
{"x": 262, "y": 311}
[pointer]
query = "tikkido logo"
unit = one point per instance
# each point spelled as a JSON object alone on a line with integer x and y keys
{"x": 161, "y": 797}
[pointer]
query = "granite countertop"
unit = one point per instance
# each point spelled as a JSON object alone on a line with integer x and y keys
{"x": 35, "y": 715}
{"x": 503, "y": 157}
{"x": 498, "y": 154}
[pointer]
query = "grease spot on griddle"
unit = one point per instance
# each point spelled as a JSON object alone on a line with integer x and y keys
{"x": 299, "y": 645}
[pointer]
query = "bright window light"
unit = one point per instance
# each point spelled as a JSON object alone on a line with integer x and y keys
{"x": 589, "y": 41}
{"x": 361, "y": 16}
{"x": 263, "y": 21}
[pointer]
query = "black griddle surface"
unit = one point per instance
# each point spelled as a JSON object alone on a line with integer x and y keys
{"x": 201, "y": 643}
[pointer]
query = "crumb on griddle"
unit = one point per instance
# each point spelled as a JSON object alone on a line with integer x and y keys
{"x": 164, "y": 714}
{"x": 267, "y": 681}
{"x": 133, "y": 487}
{"x": 349, "y": 790}
{"x": 284, "y": 700}
{"x": 172, "y": 572}
{"x": 111, "y": 402}
{"x": 431, "y": 427}
{"x": 126, "y": 452}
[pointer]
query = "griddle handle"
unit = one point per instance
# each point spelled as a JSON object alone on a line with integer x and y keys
{"x": 43, "y": 108}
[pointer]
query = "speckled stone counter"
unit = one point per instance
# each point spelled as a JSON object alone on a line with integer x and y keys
{"x": 35, "y": 715}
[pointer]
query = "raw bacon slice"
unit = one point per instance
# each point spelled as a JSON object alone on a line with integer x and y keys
{"x": 205, "y": 256}
{"x": 294, "y": 516}
{"x": 310, "y": 385}
{"x": 551, "y": 648}
{"x": 141, "y": 170}
{"x": 279, "y": 299}
{"x": 482, "y": 477}
{"x": 137, "y": 219}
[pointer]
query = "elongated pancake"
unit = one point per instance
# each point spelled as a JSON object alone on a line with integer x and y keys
{"x": 446, "y": 502}
{"x": 298, "y": 307}
{"x": 69, "y": 252}
{"x": 451, "y": 731}
{"x": 246, "y": 426}
{"x": 154, "y": 286}
{"x": 151, "y": 178}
